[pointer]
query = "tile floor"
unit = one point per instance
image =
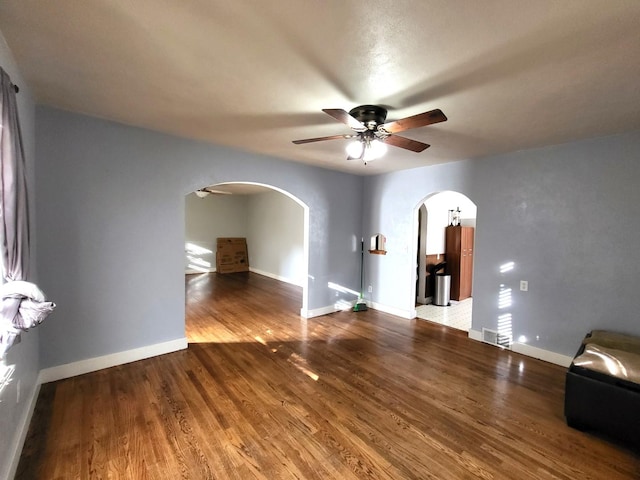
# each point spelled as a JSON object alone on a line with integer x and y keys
{"x": 458, "y": 315}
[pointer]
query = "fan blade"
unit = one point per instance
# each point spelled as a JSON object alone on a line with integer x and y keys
{"x": 406, "y": 143}
{"x": 344, "y": 117}
{"x": 320, "y": 139}
{"x": 420, "y": 120}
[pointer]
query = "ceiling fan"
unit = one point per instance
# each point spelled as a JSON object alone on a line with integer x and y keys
{"x": 372, "y": 134}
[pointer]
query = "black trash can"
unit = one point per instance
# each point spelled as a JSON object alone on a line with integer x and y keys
{"x": 442, "y": 297}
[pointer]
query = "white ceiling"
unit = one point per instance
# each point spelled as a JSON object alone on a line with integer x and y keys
{"x": 255, "y": 74}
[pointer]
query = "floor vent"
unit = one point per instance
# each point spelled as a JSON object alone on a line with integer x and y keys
{"x": 496, "y": 338}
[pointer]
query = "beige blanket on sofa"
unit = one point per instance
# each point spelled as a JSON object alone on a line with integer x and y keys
{"x": 616, "y": 340}
{"x": 618, "y": 363}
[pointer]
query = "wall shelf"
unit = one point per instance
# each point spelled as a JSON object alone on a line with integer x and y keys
{"x": 377, "y": 244}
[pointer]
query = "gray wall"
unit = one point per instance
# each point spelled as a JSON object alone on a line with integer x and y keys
{"x": 23, "y": 356}
{"x": 567, "y": 215}
{"x": 111, "y": 221}
{"x": 276, "y": 237}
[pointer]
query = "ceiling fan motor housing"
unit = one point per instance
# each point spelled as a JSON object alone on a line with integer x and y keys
{"x": 370, "y": 115}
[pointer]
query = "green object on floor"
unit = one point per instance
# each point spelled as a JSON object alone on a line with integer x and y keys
{"x": 361, "y": 304}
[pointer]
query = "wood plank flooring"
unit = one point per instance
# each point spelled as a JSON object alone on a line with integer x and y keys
{"x": 263, "y": 394}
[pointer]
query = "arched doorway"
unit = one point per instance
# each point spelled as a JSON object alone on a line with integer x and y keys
{"x": 432, "y": 217}
{"x": 274, "y": 221}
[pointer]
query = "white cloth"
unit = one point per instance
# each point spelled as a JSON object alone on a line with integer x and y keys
{"x": 20, "y": 288}
{"x": 23, "y": 306}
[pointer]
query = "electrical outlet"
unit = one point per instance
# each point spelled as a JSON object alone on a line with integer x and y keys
{"x": 524, "y": 286}
{"x": 370, "y": 289}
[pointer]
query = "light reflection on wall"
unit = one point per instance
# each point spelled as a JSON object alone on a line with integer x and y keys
{"x": 507, "y": 267}
{"x": 6, "y": 374}
{"x": 194, "y": 257}
{"x": 505, "y": 301}
{"x": 504, "y": 297}
{"x": 505, "y": 329}
{"x": 341, "y": 303}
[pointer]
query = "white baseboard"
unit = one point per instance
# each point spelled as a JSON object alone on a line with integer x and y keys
{"x": 546, "y": 355}
{"x": 475, "y": 335}
{"x": 98, "y": 363}
{"x": 275, "y": 277}
{"x": 21, "y": 434}
{"x": 530, "y": 351}
{"x": 318, "y": 312}
{"x": 191, "y": 271}
{"x": 398, "y": 312}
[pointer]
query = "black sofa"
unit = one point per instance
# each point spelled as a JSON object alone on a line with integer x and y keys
{"x": 602, "y": 390}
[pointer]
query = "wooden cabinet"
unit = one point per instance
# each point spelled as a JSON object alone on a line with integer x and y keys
{"x": 459, "y": 251}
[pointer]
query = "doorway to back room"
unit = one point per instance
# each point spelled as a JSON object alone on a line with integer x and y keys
{"x": 446, "y": 224}
{"x": 272, "y": 225}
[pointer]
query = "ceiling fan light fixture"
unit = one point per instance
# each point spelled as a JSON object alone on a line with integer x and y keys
{"x": 354, "y": 149}
{"x": 373, "y": 149}
{"x": 376, "y": 149}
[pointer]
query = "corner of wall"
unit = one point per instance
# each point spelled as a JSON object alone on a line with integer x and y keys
{"x": 21, "y": 433}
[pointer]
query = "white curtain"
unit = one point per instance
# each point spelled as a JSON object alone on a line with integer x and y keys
{"x": 23, "y": 304}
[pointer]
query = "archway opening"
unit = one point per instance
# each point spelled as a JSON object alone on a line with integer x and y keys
{"x": 444, "y": 229}
{"x": 273, "y": 223}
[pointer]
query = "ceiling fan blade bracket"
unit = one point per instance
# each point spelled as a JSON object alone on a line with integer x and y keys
{"x": 381, "y": 134}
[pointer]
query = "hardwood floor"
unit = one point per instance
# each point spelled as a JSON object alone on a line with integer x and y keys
{"x": 262, "y": 393}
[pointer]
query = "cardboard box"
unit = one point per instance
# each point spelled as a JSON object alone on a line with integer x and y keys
{"x": 232, "y": 255}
